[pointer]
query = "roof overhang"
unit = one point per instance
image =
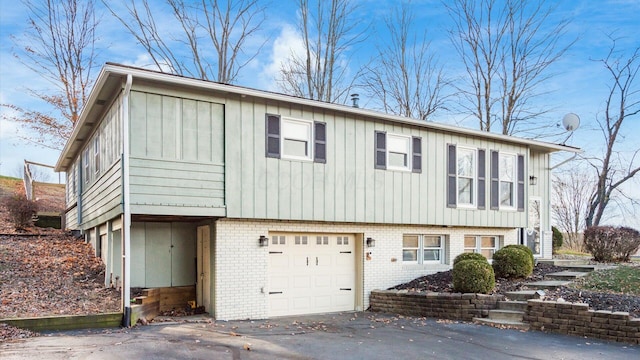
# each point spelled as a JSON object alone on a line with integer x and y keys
{"x": 112, "y": 78}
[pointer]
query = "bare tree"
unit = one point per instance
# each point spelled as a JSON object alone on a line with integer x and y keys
{"x": 225, "y": 26}
{"x": 327, "y": 31}
{"x": 570, "y": 198}
{"x": 507, "y": 48}
{"x": 621, "y": 105}
{"x": 59, "y": 47}
{"x": 404, "y": 77}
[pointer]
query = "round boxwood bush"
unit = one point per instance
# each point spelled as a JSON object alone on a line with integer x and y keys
{"x": 469, "y": 256}
{"x": 512, "y": 262}
{"x": 473, "y": 276}
{"x": 524, "y": 248}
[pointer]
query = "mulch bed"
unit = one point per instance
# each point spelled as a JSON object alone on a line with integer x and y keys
{"x": 442, "y": 282}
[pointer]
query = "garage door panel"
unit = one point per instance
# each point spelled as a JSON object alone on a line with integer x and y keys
{"x": 310, "y": 270}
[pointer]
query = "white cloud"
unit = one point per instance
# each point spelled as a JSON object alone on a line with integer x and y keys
{"x": 287, "y": 43}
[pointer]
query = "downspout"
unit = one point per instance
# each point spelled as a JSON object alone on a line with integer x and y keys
{"x": 126, "y": 220}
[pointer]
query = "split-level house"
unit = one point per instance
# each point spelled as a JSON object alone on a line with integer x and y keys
{"x": 277, "y": 205}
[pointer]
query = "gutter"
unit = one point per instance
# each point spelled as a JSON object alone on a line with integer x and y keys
{"x": 126, "y": 221}
{"x": 564, "y": 162}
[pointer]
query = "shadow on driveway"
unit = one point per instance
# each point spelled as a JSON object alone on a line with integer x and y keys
{"x": 361, "y": 335}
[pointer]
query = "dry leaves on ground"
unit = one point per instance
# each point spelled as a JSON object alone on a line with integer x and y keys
{"x": 51, "y": 275}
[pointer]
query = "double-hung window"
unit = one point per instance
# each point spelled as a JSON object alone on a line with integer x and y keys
{"x": 86, "y": 165}
{"x": 466, "y": 171}
{"x": 485, "y": 245}
{"x": 295, "y": 139}
{"x": 423, "y": 249}
{"x": 398, "y": 152}
{"x": 465, "y": 177}
{"x": 507, "y": 171}
{"x": 96, "y": 153}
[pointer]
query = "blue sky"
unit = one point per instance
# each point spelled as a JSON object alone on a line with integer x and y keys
{"x": 579, "y": 86}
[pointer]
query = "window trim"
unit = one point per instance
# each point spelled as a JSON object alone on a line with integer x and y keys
{"x": 421, "y": 248}
{"x": 478, "y": 246}
{"x": 309, "y": 141}
{"x": 514, "y": 181}
{"x": 409, "y": 154}
{"x": 85, "y": 164}
{"x": 474, "y": 178}
{"x": 96, "y": 154}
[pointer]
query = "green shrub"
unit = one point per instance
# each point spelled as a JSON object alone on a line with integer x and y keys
{"x": 473, "y": 276}
{"x": 524, "y": 248}
{"x": 512, "y": 262}
{"x": 558, "y": 239}
{"x": 608, "y": 243}
{"x": 469, "y": 256}
{"x": 21, "y": 211}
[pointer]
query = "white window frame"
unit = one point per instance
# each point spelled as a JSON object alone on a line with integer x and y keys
{"x": 421, "y": 248}
{"x": 408, "y": 153}
{"x": 478, "y": 244}
{"x": 96, "y": 154}
{"x": 86, "y": 165}
{"x": 473, "y": 177}
{"x": 514, "y": 180}
{"x": 309, "y": 138}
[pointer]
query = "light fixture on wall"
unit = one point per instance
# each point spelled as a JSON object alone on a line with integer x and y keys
{"x": 371, "y": 242}
{"x": 263, "y": 240}
{"x": 533, "y": 180}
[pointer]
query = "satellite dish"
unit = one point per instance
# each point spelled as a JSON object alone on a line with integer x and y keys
{"x": 571, "y": 121}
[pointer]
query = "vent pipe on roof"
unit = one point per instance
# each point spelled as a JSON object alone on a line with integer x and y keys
{"x": 354, "y": 99}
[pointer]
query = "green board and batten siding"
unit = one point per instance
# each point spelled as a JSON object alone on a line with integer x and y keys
{"x": 177, "y": 155}
{"x": 347, "y": 188}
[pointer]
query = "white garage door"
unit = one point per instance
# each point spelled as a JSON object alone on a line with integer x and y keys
{"x": 311, "y": 273}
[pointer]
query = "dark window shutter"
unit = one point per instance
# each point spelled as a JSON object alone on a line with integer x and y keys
{"x": 482, "y": 169}
{"x": 520, "y": 183}
{"x": 495, "y": 181}
{"x": 451, "y": 176}
{"x": 320, "y": 143}
{"x": 416, "y": 148}
{"x": 381, "y": 150}
{"x": 273, "y": 136}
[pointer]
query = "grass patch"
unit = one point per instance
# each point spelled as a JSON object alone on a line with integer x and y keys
{"x": 571, "y": 252}
{"x": 623, "y": 279}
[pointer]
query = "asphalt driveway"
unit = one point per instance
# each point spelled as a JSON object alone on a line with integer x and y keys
{"x": 360, "y": 335}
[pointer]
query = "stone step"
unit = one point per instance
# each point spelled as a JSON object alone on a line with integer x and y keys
{"x": 581, "y": 268}
{"x": 512, "y": 305}
{"x": 547, "y": 284}
{"x": 565, "y": 275}
{"x": 508, "y": 315}
{"x": 523, "y": 295}
{"x": 502, "y": 323}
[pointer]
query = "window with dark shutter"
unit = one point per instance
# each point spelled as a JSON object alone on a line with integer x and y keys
{"x": 381, "y": 150}
{"x": 495, "y": 181}
{"x": 520, "y": 190}
{"x": 482, "y": 198}
{"x": 416, "y": 149}
{"x": 320, "y": 142}
{"x": 272, "y": 146}
{"x": 452, "y": 189}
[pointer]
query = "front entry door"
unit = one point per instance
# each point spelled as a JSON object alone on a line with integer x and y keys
{"x": 534, "y": 230}
{"x": 203, "y": 282}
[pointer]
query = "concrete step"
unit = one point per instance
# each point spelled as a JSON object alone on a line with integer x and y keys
{"x": 502, "y": 323}
{"x": 523, "y": 295}
{"x": 512, "y": 305}
{"x": 508, "y": 315}
{"x": 565, "y": 275}
{"x": 547, "y": 284}
{"x": 565, "y": 262}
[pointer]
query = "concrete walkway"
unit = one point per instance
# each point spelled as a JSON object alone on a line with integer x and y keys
{"x": 362, "y": 335}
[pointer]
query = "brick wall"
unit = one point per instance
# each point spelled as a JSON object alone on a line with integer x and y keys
{"x": 436, "y": 305}
{"x": 578, "y": 319}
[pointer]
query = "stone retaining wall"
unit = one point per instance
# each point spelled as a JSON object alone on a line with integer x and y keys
{"x": 437, "y": 305}
{"x": 577, "y": 319}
